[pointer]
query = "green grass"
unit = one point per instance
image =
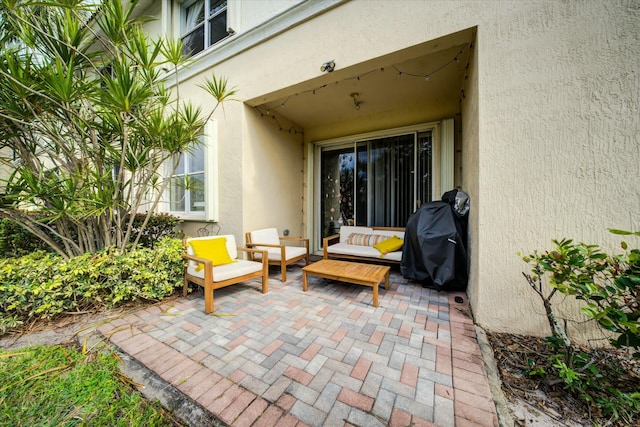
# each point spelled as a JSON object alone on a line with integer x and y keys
{"x": 60, "y": 386}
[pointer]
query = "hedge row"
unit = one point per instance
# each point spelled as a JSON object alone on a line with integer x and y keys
{"x": 42, "y": 285}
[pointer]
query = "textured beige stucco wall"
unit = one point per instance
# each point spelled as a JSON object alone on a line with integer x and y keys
{"x": 550, "y": 126}
{"x": 550, "y": 122}
{"x": 273, "y": 171}
{"x": 558, "y": 142}
{"x": 244, "y": 14}
{"x": 231, "y": 165}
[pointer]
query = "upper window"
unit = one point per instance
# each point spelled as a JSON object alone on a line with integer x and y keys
{"x": 204, "y": 23}
{"x": 186, "y": 191}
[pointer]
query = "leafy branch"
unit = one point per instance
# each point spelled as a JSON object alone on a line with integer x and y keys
{"x": 88, "y": 122}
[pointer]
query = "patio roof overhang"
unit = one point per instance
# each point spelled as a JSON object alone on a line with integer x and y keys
{"x": 429, "y": 77}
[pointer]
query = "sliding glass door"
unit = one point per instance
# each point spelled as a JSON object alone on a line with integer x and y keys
{"x": 375, "y": 182}
{"x": 337, "y": 204}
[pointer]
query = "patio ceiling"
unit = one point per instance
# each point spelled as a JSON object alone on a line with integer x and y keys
{"x": 395, "y": 82}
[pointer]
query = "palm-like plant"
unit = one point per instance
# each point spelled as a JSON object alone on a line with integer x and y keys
{"x": 87, "y": 120}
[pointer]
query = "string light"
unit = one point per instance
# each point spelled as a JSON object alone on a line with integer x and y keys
{"x": 401, "y": 74}
{"x": 291, "y": 129}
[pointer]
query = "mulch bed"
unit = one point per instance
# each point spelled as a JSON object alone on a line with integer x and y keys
{"x": 517, "y": 355}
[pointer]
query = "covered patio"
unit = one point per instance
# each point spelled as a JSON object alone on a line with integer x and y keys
{"x": 325, "y": 357}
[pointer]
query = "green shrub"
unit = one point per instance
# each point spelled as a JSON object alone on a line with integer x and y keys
{"x": 158, "y": 227}
{"x": 42, "y": 285}
{"x": 609, "y": 287}
{"x": 16, "y": 241}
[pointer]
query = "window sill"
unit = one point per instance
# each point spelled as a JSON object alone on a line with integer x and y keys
{"x": 189, "y": 217}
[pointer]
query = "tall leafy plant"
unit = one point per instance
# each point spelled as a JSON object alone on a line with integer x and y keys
{"x": 609, "y": 288}
{"x": 608, "y": 285}
{"x": 87, "y": 120}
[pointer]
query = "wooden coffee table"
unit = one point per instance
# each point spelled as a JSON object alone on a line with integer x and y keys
{"x": 351, "y": 272}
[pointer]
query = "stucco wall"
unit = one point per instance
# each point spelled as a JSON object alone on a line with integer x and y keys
{"x": 550, "y": 131}
{"x": 248, "y": 14}
{"x": 550, "y": 126}
{"x": 260, "y": 167}
{"x": 558, "y": 149}
{"x": 273, "y": 176}
{"x": 470, "y": 147}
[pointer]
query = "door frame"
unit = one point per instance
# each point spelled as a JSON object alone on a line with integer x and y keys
{"x": 435, "y": 127}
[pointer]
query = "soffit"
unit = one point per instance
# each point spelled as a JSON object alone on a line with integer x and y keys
{"x": 392, "y": 83}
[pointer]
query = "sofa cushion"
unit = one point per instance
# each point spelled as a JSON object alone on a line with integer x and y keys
{"x": 356, "y": 250}
{"x": 362, "y": 251}
{"x": 211, "y": 249}
{"x": 394, "y": 256}
{"x": 391, "y": 244}
{"x": 389, "y": 233}
{"x": 347, "y": 230}
{"x": 365, "y": 239}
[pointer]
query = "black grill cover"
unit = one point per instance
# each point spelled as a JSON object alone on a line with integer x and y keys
{"x": 435, "y": 243}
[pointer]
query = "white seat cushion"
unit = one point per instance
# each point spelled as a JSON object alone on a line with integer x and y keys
{"x": 362, "y": 251}
{"x": 228, "y": 271}
{"x": 267, "y": 236}
{"x": 275, "y": 254}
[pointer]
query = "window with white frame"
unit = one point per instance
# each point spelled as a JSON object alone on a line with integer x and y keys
{"x": 192, "y": 192}
{"x": 204, "y": 23}
{"x": 187, "y": 187}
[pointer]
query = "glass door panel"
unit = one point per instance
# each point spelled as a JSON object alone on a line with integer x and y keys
{"x": 378, "y": 182}
{"x": 362, "y": 183}
{"x": 336, "y": 199}
{"x": 425, "y": 168}
{"x": 391, "y": 189}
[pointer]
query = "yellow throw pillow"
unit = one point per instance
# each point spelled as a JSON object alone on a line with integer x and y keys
{"x": 390, "y": 245}
{"x": 213, "y": 249}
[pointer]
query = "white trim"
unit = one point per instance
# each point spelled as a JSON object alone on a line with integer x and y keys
{"x": 211, "y": 201}
{"x": 165, "y": 19}
{"x": 447, "y": 152}
{"x": 233, "y": 20}
{"x": 377, "y": 134}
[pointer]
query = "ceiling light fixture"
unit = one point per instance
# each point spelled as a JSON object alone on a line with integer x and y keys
{"x": 355, "y": 96}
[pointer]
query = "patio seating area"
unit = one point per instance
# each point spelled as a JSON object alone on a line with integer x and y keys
{"x": 324, "y": 357}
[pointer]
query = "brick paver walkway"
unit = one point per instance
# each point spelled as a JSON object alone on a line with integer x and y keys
{"x": 325, "y": 357}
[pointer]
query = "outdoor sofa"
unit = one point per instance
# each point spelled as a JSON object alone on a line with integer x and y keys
{"x": 377, "y": 244}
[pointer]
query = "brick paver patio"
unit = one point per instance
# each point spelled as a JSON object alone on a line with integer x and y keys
{"x": 325, "y": 357}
